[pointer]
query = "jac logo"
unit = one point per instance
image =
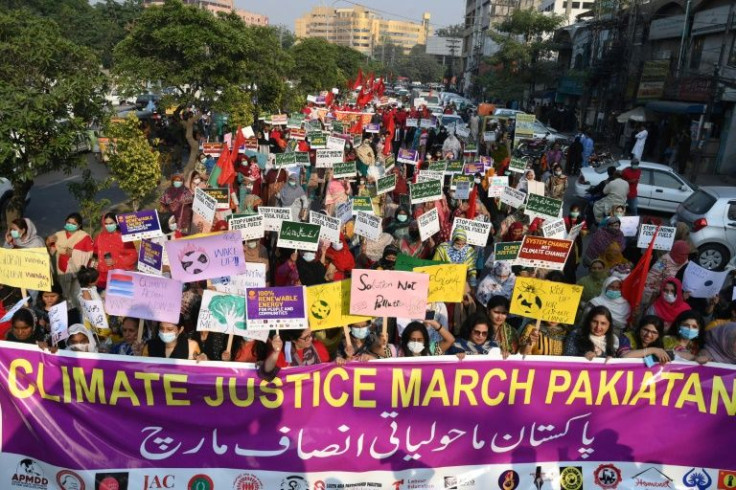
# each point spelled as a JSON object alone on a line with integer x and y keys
{"x": 158, "y": 482}
{"x": 397, "y": 484}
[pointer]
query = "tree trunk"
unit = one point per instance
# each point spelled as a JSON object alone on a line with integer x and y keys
{"x": 17, "y": 203}
{"x": 193, "y": 143}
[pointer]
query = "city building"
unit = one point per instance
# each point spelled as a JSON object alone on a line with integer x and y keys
{"x": 361, "y": 29}
{"x": 568, "y": 9}
{"x": 215, "y": 6}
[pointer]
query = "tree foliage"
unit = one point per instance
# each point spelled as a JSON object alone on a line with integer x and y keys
{"x": 454, "y": 30}
{"x": 50, "y": 90}
{"x": 90, "y": 205}
{"x": 133, "y": 164}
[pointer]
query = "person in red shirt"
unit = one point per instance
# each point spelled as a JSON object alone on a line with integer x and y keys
{"x": 632, "y": 175}
{"x": 304, "y": 350}
{"x": 111, "y": 251}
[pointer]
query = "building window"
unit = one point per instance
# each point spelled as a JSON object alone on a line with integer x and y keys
{"x": 588, "y": 5}
{"x": 576, "y": 5}
{"x": 697, "y": 52}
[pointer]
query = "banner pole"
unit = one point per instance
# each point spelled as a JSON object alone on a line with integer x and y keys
{"x": 348, "y": 341}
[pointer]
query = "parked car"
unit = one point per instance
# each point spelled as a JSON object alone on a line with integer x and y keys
{"x": 660, "y": 188}
{"x": 141, "y": 102}
{"x": 710, "y": 213}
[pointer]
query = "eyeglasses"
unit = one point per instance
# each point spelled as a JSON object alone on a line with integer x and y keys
{"x": 646, "y": 331}
{"x": 308, "y": 337}
{"x": 480, "y": 333}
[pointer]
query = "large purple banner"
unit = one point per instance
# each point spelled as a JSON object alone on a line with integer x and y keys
{"x": 391, "y": 420}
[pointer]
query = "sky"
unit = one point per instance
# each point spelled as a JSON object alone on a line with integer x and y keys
{"x": 444, "y": 12}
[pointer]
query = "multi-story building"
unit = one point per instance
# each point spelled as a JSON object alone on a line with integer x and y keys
{"x": 215, "y": 6}
{"x": 361, "y": 29}
{"x": 569, "y": 9}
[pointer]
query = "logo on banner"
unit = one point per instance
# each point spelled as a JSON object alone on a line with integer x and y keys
{"x": 697, "y": 479}
{"x": 200, "y": 482}
{"x": 652, "y": 478}
{"x": 111, "y": 481}
{"x": 571, "y": 477}
{"x": 294, "y": 482}
{"x": 607, "y": 476}
{"x": 726, "y": 480}
{"x": 455, "y": 483}
{"x": 157, "y": 482}
{"x": 509, "y": 480}
{"x": 28, "y": 474}
{"x": 246, "y": 481}
{"x": 68, "y": 480}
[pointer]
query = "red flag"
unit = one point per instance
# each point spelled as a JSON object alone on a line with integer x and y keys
{"x": 632, "y": 287}
{"x": 472, "y": 207}
{"x": 391, "y": 129}
{"x": 239, "y": 141}
{"x": 369, "y": 83}
{"x": 364, "y": 97}
{"x": 328, "y": 99}
{"x": 359, "y": 80}
{"x": 357, "y": 127}
{"x": 380, "y": 87}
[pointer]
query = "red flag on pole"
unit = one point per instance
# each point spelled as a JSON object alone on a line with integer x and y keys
{"x": 632, "y": 287}
{"x": 359, "y": 80}
{"x": 391, "y": 129}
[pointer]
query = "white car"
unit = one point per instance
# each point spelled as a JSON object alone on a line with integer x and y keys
{"x": 660, "y": 188}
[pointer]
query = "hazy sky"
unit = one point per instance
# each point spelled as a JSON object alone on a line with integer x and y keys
{"x": 444, "y": 12}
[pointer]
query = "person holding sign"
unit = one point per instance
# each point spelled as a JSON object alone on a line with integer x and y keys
{"x": 72, "y": 248}
{"x": 287, "y": 273}
{"x": 476, "y": 337}
{"x": 720, "y": 345}
{"x": 398, "y": 226}
{"x": 667, "y": 266}
{"x": 500, "y": 282}
{"x": 47, "y": 300}
{"x": 415, "y": 340}
{"x": 338, "y": 191}
{"x": 595, "y": 337}
{"x": 364, "y": 345}
{"x": 177, "y": 200}
{"x": 110, "y": 250}
{"x": 130, "y": 345}
{"x": 171, "y": 342}
{"x": 311, "y": 268}
{"x": 556, "y": 185}
{"x": 458, "y": 251}
{"x": 293, "y": 196}
{"x": 339, "y": 260}
{"x": 645, "y": 341}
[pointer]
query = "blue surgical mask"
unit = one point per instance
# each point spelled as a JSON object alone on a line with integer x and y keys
{"x": 359, "y": 332}
{"x": 71, "y": 227}
{"x": 15, "y": 234}
{"x": 612, "y": 294}
{"x": 574, "y": 214}
{"x": 402, "y": 217}
{"x": 111, "y": 228}
{"x": 688, "y": 333}
{"x": 167, "y": 337}
{"x": 177, "y": 183}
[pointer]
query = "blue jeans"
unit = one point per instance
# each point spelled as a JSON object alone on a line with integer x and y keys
{"x": 632, "y": 206}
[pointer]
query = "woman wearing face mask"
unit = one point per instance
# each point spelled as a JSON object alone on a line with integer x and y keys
{"x": 556, "y": 185}
{"x": 292, "y": 196}
{"x": 668, "y": 265}
{"x": 338, "y": 192}
{"x": 22, "y": 234}
{"x": 387, "y": 262}
{"x": 398, "y": 227}
{"x": 251, "y": 174}
{"x": 610, "y": 297}
{"x": 646, "y": 340}
{"x": 593, "y": 282}
{"x": 177, "y": 200}
{"x": 413, "y": 245}
{"x": 340, "y": 262}
{"x": 669, "y": 303}
{"x": 415, "y": 340}
{"x": 311, "y": 269}
{"x": 73, "y": 249}
{"x": 256, "y": 253}
{"x": 459, "y": 252}
{"x": 111, "y": 251}
{"x": 171, "y": 342}
{"x": 595, "y": 337}
{"x": 686, "y": 335}
{"x": 286, "y": 273}
{"x": 365, "y": 345}
{"x": 720, "y": 345}
{"x": 499, "y": 282}
{"x": 24, "y": 328}
{"x": 476, "y": 337}
{"x": 195, "y": 180}
{"x": 80, "y": 339}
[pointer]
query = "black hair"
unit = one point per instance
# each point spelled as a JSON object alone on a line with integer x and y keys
{"x": 24, "y": 315}
{"x": 584, "y": 342}
{"x": 76, "y": 217}
{"x": 471, "y": 322}
{"x": 87, "y": 276}
{"x": 406, "y": 335}
{"x": 674, "y": 330}
{"x": 658, "y": 324}
{"x": 21, "y": 223}
{"x": 498, "y": 300}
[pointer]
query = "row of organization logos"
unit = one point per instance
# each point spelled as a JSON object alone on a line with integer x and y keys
{"x": 23, "y": 473}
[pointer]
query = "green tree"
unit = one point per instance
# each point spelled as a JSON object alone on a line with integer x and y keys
{"x": 454, "y": 30}
{"x": 50, "y": 90}
{"x": 90, "y": 205}
{"x": 133, "y": 164}
{"x": 315, "y": 65}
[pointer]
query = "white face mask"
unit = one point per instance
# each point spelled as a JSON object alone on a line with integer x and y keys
{"x": 252, "y": 245}
{"x": 477, "y": 181}
{"x": 669, "y": 297}
{"x": 172, "y": 226}
{"x": 167, "y": 337}
{"x": 309, "y": 256}
{"x": 196, "y": 181}
{"x": 415, "y": 347}
{"x": 337, "y": 246}
{"x": 359, "y": 332}
{"x": 79, "y": 347}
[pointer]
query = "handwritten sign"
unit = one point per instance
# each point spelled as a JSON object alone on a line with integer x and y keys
{"x": 701, "y": 282}
{"x": 201, "y": 258}
{"x": 139, "y": 225}
{"x": 386, "y": 184}
{"x": 272, "y": 217}
{"x": 665, "y": 237}
{"x": 367, "y": 225}
{"x": 253, "y": 277}
{"x": 276, "y": 308}
{"x": 389, "y": 293}
{"x": 437, "y": 166}
{"x": 429, "y": 224}
{"x": 222, "y": 313}
{"x": 425, "y": 191}
{"x": 150, "y": 257}
{"x": 344, "y": 211}
{"x": 407, "y": 156}
{"x": 446, "y": 282}
{"x": 326, "y": 158}
{"x": 204, "y": 205}
{"x": 221, "y": 195}
{"x": 329, "y": 226}
{"x": 497, "y": 185}
{"x": 548, "y": 253}
{"x": 284, "y": 160}
{"x": 344, "y": 170}
{"x": 506, "y": 251}
{"x": 250, "y": 226}
{"x": 454, "y": 167}
{"x": 328, "y": 306}
{"x": 28, "y": 268}
{"x": 143, "y": 296}
{"x": 542, "y": 207}
{"x": 94, "y": 313}
{"x": 301, "y": 236}
{"x": 427, "y": 175}
{"x": 546, "y": 300}
{"x": 59, "y": 321}
{"x": 298, "y": 134}
{"x": 554, "y": 228}
{"x": 477, "y": 231}
{"x": 462, "y": 190}
{"x": 362, "y": 204}
{"x": 517, "y": 165}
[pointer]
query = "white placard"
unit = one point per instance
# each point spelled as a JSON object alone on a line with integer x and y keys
{"x": 253, "y": 277}
{"x": 477, "y": 231}
{"x": 665, "y": 237}
{"x": 330, "y": 227}
{"x": 629, "y": 225}
{"x": 489, "y": 136}
{"x": 497, "y": 185}
{"x": 462, "y": 132}
{"x": 554, "y": 228}
{"x": 429, "y": 224}
{"x": 344, "y": 211}
{"x": 222, "y": 313}
{"x": 512, "y": 197}
{"x": 535, "y": 187}
{"x": 326, "y": 158}
{"x": 412, "y": 122}
{"x": 462, "y": 190}
{"x": 272, "y": 217}
{"x": 575, "y": 231}
{"x": 701, "y": 282}
{"x": 368, "y": 226}
{"x": 427, "y": 175}
{"x": 59, "y": 321}
{"x": 335, "y": 143}
{"x": 94, "y": 313}
{"x": 204, "y": 205}
{"x": 251, "y": 227}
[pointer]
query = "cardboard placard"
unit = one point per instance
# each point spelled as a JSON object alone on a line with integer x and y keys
{"x": 386, "y": 184}
{"x": 512, "y": 197}
{"x": 276, "y": 308}
{"x": 476, "y": 231}
{"x": 543, "y": 207}
{"x": 298, "y": 235}
{"x": 204, "y": 206}
{"x": 547, "y": 253}
{"x": 250, "y": 226}
{"x": 425, "y": 191}
{"x": 506, "y": 251}
{"x": 326, "y": 158}
{"x": 222, "y": 313}
{"x": 368, "y": 226}
{"x": 273, "y": 216}
{"x": 328, "y": 306}
{"x": 665, "y": 237}
{"x": 329, "y": 226}
{"x": 143, "y": 296}
{"x": 389, "y": 293}
{"x": 150, "y": 257}
{"x": 554, "y": 228}
{"x": 28, "y": 268}
{"x": 429, "y": 224}
{"x": 446, "y": 282}
{"x": 205, "y": 257}
{"x": 546, "y": 300}
{"x": 139, "y": 225}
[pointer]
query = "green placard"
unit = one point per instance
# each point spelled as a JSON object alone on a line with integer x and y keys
{"x": 407, "y": 263}
{"x": 425, "y": 191}
{"x": 317, "y": 139}
{"x": 438, "y": 166}
{"x": 390, "y": 161}
{"x": 455, "y": 167}
{"x": 471, "y": 147}
{"x": 301, "y": 157}
{"x": 357, "y": 139}
{"x": 542, "y": 206}
{"x": 362, "y": 203}
{"x": 461, "y": 178}
{"x": 506, "y": 250}
{"x": 386, "y": 184}
{"x": 344, "y": 169}
{"x": 338, "y": 126}
{"x": 313, "y": 125}
{"x": 295, "y": 121}
{"x": 285, "y": 159}
{"x": 517, "y": 165}
{"x": 221, "y": 194}
{"x": 302, "y": 236}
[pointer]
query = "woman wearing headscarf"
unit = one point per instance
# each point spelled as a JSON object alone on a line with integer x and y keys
{"x": 515, "y": 232}
{"x": 556, "y": 185}
{"x": 292, "y": 196}
{"x": 311, "y": 269}
{"x": 251, "y": 174}
{"x": 668, "y": 265}
{"x": 612, "y": 256}
{"x": 22, "y": 234}
{"x": 111, "y": 251}
{"x": 398, "y": 226}
{"x": 523, "y": 184}
{"x": 413, "y": 245}
{"x": 669, "y": 303}
{"x": 610, "y": 297}
{"x": 458, "y": 251}
{"x": 340, "y": 262}
{"x": 499, "y": 282}
{"x": 177, "y": 200}
{"x": 593, "y": 282}
{"x": 24, "y": 328}
{"x": 720, "y": 345}
{"x": 287, "y": 274}
{"x": 517, "y": 216}
{"x": 603, "y": 237}
{"x": 387, "y": 261}
{"x": 194, "y": 180}
{"x": 256, "y": 253}
{"x": 73, "y": 249}
{"x": 81, "y": 339}
{"x": 338, "y": 192}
